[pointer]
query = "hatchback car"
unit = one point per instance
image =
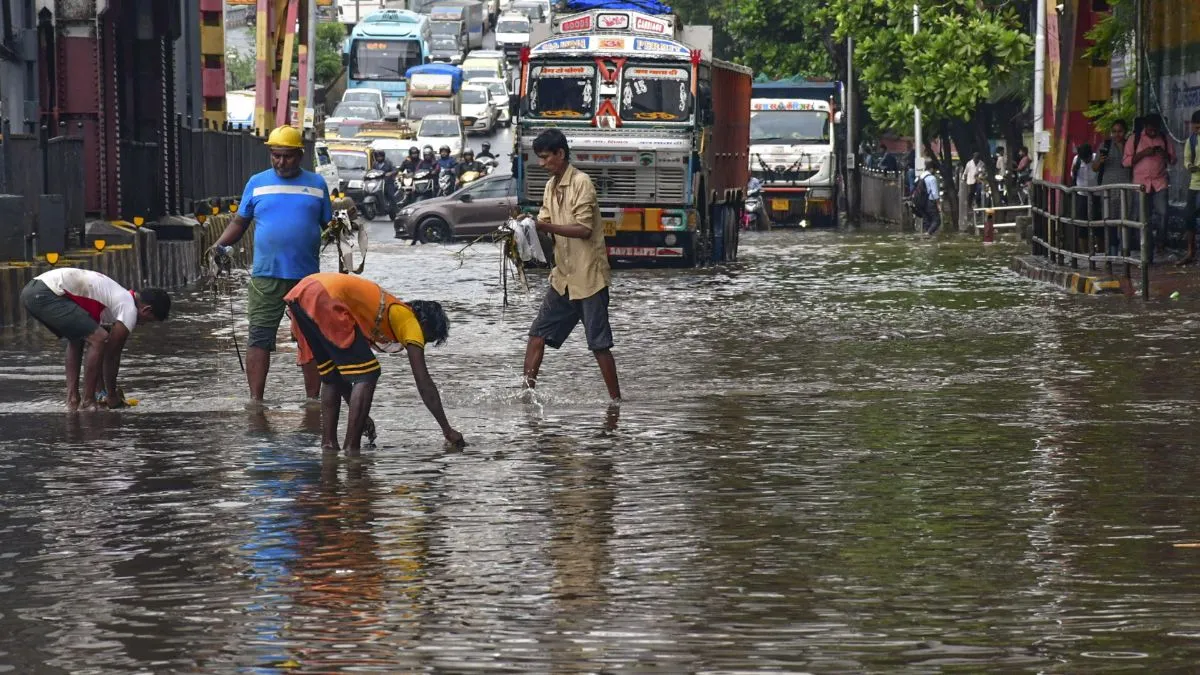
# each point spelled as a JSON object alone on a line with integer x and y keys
{"x": 476, "y": 209}
{"x": 477, "y": 105}
{"x": 439, "y": 130}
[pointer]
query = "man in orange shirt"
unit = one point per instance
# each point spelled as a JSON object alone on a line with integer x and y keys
{"x": 336, "y": 319}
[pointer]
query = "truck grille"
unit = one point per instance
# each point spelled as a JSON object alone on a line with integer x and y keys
{"x": 620, "y": 186}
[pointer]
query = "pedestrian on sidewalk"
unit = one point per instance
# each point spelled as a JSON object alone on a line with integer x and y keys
{"x": 289, "y": 206}
{"x": 88, "y": 308}
{"x": 1111, "y": 170}
{"x": 1191, "y": 162}
{"x": 973, "y": 174}
{"x": 926, "y": 199}
{"x": 1148, "y": 155}
{"x": 336, "y": 320}
{"x": 580, "y": 278}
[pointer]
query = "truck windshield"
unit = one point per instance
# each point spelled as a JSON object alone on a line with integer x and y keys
{"x": 446, "y": 27}
{"x": 446, "y": 43}
{"x": 789, "y": 126}
{"x": 439, "y": 128}
{"x": 384, "y": 59}
{"x": 420, "y": 108}
{"x": 562, "y": 91}
{"x": 512, "y": 26}
{"x": 651, "y": 93}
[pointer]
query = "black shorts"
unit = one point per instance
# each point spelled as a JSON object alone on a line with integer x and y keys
{"x": 1191, "y": 213}
{"x": 559, "y": 315}
{"x": 356, "y": 363}
{"x": 59, "y": 313}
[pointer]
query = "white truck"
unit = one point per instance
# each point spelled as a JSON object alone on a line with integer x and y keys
{"x": 794, "y": 150}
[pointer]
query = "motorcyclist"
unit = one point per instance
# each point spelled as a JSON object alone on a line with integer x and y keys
{"x": 445, "y": 161}
{"x": 382, "y": 163}
{"x": 467, "y": 164}
{"x": 428, "y": 160}
{"x": 485, "y": 152}
{"x": 410, "y": 163}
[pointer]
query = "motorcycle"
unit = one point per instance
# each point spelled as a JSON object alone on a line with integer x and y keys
{"x": 755, "y": 216}
{"x": 376, "y": 201}
{"x": 416, "y": 186}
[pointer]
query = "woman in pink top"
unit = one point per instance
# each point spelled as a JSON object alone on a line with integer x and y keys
{"x": 77, "y": 305}
{"x": 1149, "y": 153}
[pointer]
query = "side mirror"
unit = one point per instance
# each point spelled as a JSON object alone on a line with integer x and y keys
{"x": 345, "y": 59}
{"x": 837, "y": 117}
{"x": 465, "y": 197}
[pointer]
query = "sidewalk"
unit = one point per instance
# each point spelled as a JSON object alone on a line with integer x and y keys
{"x": 1165, "y": 278}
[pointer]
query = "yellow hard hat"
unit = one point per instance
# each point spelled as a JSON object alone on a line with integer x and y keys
{"x": 285, "y": 137}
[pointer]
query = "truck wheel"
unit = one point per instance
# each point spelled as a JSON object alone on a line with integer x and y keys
{"x": 434, "y": 230}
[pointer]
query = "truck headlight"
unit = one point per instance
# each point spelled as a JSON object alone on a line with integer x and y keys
{"x": 671, "y": 222}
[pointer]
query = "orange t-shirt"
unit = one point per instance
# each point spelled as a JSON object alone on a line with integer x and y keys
{"x": 339, "y": 302}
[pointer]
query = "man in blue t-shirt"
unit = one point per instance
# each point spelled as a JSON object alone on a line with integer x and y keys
{"x": 289, "y": 207}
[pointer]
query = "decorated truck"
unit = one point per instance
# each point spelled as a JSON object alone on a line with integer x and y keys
{"x": 660, "y": 126}
{"x": 795, "y": 149}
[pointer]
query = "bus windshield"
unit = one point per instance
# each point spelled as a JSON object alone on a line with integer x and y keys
{"x": 789, "y": 126}
{"x": 566, "y": 92}
{"x": 655, "y": 93}
{"x": 384, "y": 59}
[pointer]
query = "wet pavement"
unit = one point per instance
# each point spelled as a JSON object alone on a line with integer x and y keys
{"x": 846, "y": 453}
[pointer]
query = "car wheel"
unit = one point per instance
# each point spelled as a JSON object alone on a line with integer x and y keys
{"x": 434, "y": 230}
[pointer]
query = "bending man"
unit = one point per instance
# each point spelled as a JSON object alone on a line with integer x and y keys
{"x": 76, "y": 304}
{"x": 336, "y": 319}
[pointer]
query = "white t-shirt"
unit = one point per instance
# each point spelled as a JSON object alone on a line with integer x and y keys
{"x": 973, "y": 172}
{"x": 106, "y": 300}
{"x": 1085, "y": 175}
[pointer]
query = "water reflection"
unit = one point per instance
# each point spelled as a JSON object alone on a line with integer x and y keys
{"x": 848, "y": 453}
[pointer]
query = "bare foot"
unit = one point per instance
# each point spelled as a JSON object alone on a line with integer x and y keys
{"x": 73, "y": 402}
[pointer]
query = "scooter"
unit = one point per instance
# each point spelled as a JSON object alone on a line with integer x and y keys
{"x": 755, "y": 216}
{"x": 416, "y": 186}
{"x": 445, "y": 182}
{"x": 376, "y": 201}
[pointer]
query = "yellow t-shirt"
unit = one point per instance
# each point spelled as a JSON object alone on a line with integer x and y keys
{"x": 405, "y": 326}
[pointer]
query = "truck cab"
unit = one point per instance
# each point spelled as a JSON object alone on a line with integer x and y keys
{"x": 434, "y": 89}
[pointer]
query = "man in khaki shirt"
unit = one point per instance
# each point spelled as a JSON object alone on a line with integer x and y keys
{"x": 579, "y": 281}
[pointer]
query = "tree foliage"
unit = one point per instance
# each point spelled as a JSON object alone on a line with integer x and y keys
{"x": 962, "y": 52}
{"x": 328, "y": 62}
{"x": 239, "y": 70}
{"x": 781, "y": 38}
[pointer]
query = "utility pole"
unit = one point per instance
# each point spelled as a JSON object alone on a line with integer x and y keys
{"x": 853, "y": 180}
{"x": 919, "y": 150}
{"x": 1039, "y": 86}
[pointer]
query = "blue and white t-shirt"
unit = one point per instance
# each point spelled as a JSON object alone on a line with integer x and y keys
{"x": 289, "y": 214}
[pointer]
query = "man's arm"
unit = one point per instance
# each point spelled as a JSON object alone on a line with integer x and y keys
{"x": 429, "y": 393}
{"x": 112, "y": 362}
{"x": 233, "y": 231}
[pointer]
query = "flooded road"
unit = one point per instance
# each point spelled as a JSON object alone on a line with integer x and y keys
{"x": 846, "y": 453}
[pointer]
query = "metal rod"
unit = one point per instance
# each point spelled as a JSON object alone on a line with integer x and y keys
{"x": 919, "y": 152}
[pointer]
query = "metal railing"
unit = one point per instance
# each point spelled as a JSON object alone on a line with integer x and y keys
{"x": 882, "y": 196}
{"x": 1091, "y": 225}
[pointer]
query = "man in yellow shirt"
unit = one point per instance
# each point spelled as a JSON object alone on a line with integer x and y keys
{"x": 579, "y": 281}
{"x": 336, "y": 319}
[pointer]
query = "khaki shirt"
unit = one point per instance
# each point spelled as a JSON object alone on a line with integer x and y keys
{"x": 580, "y": 265}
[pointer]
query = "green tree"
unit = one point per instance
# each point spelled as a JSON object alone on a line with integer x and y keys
{"x": 239, "y": 70}
{"x": 328, "y": 62}
{"x": 967, "y": 68}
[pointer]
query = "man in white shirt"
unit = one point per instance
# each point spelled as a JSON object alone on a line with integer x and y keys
{"x": 77, "y": 304}
{"x": 972, "y": 175}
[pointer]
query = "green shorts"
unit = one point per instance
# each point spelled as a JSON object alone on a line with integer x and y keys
{"x": 264, "y": 308}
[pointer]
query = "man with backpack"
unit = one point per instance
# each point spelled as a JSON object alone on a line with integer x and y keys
{"x": 1191, "y": 162}
{"x": 1148, "y": 155}
{"x": 925, "y": 199}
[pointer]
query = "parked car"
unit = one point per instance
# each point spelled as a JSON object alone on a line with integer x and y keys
{"x": 326, "y": 168}
{"x": 500, "y": 98}
{"x": 476, "y": 209}
{"x": 348, "y": 116}
{"x": 439, "y": 130}
{"x": 477, "y": 105}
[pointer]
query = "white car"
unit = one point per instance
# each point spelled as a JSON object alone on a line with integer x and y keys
{"x": 512, "y": 32}
{"x": 368, "y": 94}
{"x": 477, "y": 103}
{"x": 326, "y": 168}
{"x": 439, "y": 130}
{"x": 500, "y": 98}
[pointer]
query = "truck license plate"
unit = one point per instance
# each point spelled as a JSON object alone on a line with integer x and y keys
{"x": 779, "y": 205}
{"x": 610, "y": 228}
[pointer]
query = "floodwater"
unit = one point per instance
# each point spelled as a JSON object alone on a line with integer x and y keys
{"x": 846, "y": 453}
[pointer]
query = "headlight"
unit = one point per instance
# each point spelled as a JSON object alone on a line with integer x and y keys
{"x": 671, "y": 221}
{"x": 406, "y": 211}
{"x": 355, "y": 185}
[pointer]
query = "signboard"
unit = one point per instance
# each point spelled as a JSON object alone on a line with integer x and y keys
{"x": 645, "y": 252}
{"x": 577, "y": 24}
{"x": 651, "y": 25}
{"x": 613, "y": 21}
{"x": 643, "y": 73}
{"x": 562, "y": 44}
{"x": 659, "y": 46}
{"x": 563, "y": 71}
{"x": 610, "y": 43}
{"x": 788, "y": 104}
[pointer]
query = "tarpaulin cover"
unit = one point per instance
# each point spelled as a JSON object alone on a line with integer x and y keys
{"x": 644, "y": 6}
{"x": 438, "y": 69}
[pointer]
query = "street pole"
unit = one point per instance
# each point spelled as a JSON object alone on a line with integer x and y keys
{"x": 919, "y": 150}
{"x": 1039, "y": 86}
{"x": 851, "y": 139}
